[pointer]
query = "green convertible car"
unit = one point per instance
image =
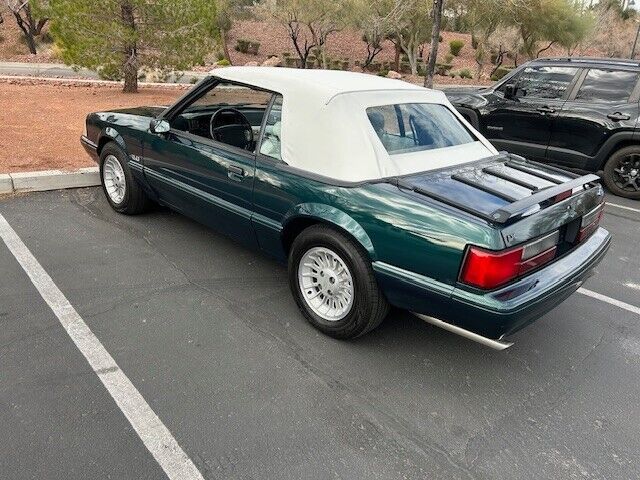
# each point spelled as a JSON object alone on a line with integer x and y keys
{"x": 375, "y": 191}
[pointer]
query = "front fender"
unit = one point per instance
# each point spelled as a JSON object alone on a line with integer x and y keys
{"x": 323, "y": 213}
{"x": 110, "y": 134}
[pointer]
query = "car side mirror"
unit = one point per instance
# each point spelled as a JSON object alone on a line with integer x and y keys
{"x": 510, "y": 91}
{"x": 159, "y": 125}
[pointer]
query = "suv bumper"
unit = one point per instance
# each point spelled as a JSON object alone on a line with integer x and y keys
{"x": 501, "y": 312}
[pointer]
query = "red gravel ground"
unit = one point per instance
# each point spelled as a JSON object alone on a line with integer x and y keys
{"x": 41, "y": 124}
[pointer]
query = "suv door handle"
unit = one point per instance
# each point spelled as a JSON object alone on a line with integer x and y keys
{"x": 617, "y": 116}
{"x": 235, "y": 172}
{"x": 546, "y": 109}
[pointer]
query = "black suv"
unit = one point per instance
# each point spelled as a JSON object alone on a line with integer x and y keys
{"x": 580, "y": 113}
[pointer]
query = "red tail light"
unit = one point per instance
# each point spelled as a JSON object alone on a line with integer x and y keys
{"x": 590, "y": 223}
{"x": 489, "y": 269}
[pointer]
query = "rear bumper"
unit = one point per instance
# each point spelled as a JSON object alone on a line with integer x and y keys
{"x": 500, "y": 312}
{"x": 91, "y": 148}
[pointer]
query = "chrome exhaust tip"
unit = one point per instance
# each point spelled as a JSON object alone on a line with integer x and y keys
{"x": 487, "y": 342}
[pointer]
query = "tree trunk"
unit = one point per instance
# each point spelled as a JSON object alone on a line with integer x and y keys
{"x": 435, "y": 36}
{"x": 225, "y": 45}
{"x": 396, "y": 60}
{"x": 26, "y": 30}
{"x": 130, "y": 60}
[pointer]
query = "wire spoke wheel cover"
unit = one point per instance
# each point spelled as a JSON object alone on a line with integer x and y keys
{"x": 326, "y": 284}
{"x": 114, "y": 179}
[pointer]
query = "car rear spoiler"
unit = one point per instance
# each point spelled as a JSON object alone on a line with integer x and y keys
{"x": 510, "y": 211}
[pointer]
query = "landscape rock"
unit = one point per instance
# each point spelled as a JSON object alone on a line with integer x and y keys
{"x": 251, "y": 64}
{"x": 272, "y": 62}
{"x": 394, "y": 75}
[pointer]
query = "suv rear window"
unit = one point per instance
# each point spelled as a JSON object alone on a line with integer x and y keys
{"x": 607, "y": 86}
{"x": 412, "y": 127}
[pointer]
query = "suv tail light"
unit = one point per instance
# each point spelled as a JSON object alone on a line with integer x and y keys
{"x": 489, "y": 269}
{"x": 590, "y": 222}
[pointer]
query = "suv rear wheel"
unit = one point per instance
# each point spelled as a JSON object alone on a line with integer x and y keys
{"x": 622, "y": 172}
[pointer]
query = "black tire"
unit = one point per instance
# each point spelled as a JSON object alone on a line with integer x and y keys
{"x": 135, "y": 200}
{"x": 369, "y": 305}
{"x": 614, "y": 162}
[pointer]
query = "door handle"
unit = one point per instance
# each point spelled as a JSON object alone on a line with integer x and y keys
{"x": 236, "y": 169}
{"x": 617, "y": 116}
{"x": 546, "y": 109}
{"x": 235, "y": 172}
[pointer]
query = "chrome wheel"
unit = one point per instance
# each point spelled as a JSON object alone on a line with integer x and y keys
{"x": 114, "y": 180}
{"x": 627, "y": 173}
{"x": 326, "y": 284}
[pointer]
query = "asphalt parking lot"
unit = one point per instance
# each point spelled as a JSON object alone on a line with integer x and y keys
{"x": 209, "y": 335}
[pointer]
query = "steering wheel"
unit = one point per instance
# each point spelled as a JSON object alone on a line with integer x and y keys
{"x": 229, "y": 125}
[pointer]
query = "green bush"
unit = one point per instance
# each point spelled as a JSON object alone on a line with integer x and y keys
{"x": 499, "y": 73}
{"x": 253, "y": 48}
{"x": 465, "y": 73}
{"x": 443, "y": 68}
{"x": 242, "y": 46}
{"x": 455, "y": 46}
{"x": 223, "y": 63}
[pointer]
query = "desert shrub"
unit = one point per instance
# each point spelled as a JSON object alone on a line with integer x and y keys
{"x": 193, "y": 80}
{"x": 242, "y": 46}
{"x": 443, "y": 68}
{"x": 455, "y": 46}
{"x": 383, "y": 73}
{"x": 253, "y": 48}
{"x": 465, "y": 73}
{"x": 448, "y": 58}
{"x": 223, "y": 63}
{"x": 499, "y": 73}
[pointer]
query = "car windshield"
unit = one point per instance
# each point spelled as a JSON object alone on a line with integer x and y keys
{"x": 412, "y": 127}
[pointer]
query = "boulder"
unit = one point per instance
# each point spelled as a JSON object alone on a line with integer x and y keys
{"x": 272, "y": 62}
{"x": 251, "y": 64}
{"x": 394, "y": 75}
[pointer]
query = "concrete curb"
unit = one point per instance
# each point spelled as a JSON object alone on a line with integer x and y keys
{"x": 48, "y": 180}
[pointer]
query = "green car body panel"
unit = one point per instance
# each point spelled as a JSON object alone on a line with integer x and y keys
{"x": 416, "y": 243}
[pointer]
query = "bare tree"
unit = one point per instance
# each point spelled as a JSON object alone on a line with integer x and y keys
{"x": 30, "y": 23}
{"x": 309, "y": 23}
{"x": 411, "y": 25}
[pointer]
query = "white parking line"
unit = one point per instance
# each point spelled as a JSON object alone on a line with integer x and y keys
{"x": 153, "y": 433}
{"x": 623, "y": 207}
{"x": 609, "y": 300}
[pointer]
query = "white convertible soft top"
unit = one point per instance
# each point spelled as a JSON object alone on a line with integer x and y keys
{"x": 325, "y": 128}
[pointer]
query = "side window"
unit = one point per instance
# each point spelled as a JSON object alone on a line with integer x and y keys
{"x": 227, "y": 113}
{"x": 544, "y": 82}
{"x": 271, "y": 143}
{"x": 607, "y": 86}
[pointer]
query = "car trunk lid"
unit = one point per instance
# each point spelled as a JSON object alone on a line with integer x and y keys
{"x": 524, "y": 199}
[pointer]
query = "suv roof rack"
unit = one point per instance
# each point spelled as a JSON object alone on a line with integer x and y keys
{"x": 617, "y": 61}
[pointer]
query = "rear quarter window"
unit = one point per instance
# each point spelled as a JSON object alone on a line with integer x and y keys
{"x": 607, "y": 86}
